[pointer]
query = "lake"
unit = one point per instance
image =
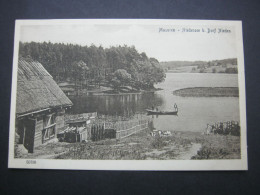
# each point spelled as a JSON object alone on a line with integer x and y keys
{"x": 194, "y": 112}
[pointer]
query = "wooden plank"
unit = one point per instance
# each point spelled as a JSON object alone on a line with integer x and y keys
{"x": 51, "y": 125}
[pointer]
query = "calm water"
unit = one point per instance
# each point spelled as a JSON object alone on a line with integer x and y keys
{"x": 194, "y": 112}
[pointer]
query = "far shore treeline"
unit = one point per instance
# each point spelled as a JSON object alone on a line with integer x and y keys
{"x": 94, "y": 65}
{"x": 228, "y": 66}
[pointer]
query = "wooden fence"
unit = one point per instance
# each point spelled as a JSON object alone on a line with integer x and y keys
{"x": 127, "y": 128}
{"x": 119, "y": 129}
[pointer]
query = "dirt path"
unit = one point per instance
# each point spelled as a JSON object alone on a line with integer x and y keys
{"x": 193, "y": 150}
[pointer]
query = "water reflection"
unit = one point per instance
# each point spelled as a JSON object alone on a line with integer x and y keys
{"x": 120, "y": 105}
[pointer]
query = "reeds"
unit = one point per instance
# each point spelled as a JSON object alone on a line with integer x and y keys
{"x": 224, "y": 128}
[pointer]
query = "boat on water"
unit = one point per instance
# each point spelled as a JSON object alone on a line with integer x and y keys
{"x": 154, "y": 112}
{"x": 158, "y": 112}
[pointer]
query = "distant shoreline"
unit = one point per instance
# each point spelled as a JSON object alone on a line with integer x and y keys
{"x": 112, "y": 92}
{"x": 208, "y": 92}
{"x": 215, "y": 66}
{"x": 182, "y": 72}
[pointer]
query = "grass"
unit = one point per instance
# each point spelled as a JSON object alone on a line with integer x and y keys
{"x": 143, "y": 146}
{"x": 219, "y": 147}
{"x": 208, "y": 92}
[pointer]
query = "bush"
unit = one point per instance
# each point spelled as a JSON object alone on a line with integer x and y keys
{"x": 231, "y": 70}
{"x": 211, "y": 153}
{"x": 158, "y": 142}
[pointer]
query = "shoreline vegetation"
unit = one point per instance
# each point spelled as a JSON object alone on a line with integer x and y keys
{"x": 208, "y": 92}
{"x": 110, "y": 91}
{"x": 79, "y": 68}
{"x": 228, "y": 66}
{"x": 142, "y": 146}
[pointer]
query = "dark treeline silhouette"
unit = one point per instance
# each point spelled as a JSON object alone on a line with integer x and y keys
{"x": 85, "y": 65}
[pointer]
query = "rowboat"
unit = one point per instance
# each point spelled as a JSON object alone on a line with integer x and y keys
{"x": 154, "y": 112}
{"x": 157, "y": 112}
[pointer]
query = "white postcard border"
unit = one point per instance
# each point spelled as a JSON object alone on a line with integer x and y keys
{"x": 240, "y": 164}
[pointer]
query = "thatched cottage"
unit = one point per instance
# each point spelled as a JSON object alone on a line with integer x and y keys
{"x": 40, "y": 105}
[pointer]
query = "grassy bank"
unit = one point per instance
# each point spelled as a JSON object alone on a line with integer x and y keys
{"x": 105, "y": 90}
{"x": 142, "y": 146}
{"x": 208, "y": 92}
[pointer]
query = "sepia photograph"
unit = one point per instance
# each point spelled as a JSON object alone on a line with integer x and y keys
{"x": 128, "y": 95}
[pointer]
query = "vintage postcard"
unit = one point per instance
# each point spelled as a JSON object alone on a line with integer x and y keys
{"x": 128, "y": 95}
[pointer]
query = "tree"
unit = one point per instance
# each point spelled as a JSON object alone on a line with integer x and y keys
{"x": 79, "y": 71}
{"x": 120, "y": 78}
{"x": 68, "y": 62}
{"x": 123, "y": 76}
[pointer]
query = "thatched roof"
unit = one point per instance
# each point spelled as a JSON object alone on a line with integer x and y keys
{"x": 36, "y": 89}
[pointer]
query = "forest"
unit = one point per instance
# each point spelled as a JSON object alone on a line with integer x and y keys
{"x": 92, "y": 65}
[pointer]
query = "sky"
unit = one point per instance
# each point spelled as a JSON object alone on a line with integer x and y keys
{"x": 164, "y": 46}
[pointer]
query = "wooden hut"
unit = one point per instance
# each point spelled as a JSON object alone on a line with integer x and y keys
{"x": 40, "y": 105}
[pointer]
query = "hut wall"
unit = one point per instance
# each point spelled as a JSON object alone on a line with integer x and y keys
{"x": 59, "y": 120}
{"x": 38, "y": 132}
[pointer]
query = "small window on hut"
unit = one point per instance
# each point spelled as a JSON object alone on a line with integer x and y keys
{"x": 49, "y": 126}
